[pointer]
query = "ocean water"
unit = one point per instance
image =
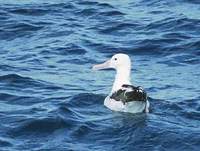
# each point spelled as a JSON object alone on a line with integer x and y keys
{"x": 51, "y": 100}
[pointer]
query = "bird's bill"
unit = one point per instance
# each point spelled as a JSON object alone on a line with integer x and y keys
{"x": 101, "y": 66}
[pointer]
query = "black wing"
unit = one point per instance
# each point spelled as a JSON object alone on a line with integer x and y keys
{"x": 129, "y": 93}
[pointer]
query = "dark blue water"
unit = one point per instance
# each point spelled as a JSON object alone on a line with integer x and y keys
{"x": 50, "y": 99}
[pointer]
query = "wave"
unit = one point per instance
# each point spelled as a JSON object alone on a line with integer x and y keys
{"x": 20, "y": 99}
{"x": 5, "y": 143}
{"x": 29, "y": 11}
{"x": 117, "y": 27}
{"x": 112, "y": 13}
{"x": 17, "y": 81}
{"x": 71, "y": 49}
{"x": 39, "y": 126}
{"x": 174, "y": 24}
{"x": 16, "y": 30}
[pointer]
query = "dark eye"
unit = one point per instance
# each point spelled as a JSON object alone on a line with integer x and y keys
{"x": 115, "y": 59}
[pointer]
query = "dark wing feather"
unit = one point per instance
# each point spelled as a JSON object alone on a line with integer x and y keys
{"x": 129, "y": 93}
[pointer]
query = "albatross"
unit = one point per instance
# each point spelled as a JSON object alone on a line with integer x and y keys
{"x": 124, "y": 97}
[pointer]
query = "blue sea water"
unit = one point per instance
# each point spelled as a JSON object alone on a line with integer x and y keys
{"x": 50, "y": 99}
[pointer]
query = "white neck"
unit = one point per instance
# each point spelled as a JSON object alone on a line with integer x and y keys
{"x": 122, "y": 77}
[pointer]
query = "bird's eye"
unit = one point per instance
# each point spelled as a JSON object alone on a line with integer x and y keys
{"x": 115, "y": 59}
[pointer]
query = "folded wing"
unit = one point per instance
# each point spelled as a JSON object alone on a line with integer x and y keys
{"x": 129, "y": 93}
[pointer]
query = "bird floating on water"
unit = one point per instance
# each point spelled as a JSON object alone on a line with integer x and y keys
{"x": 124, "y": 97}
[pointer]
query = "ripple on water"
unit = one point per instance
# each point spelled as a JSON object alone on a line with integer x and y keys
{"x": 47, "y": 92}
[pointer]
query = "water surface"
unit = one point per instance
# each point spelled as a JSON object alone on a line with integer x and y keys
{"x": 50, "y": 99}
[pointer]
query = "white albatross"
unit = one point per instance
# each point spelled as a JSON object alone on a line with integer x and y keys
{"x": 124, "y": 97}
